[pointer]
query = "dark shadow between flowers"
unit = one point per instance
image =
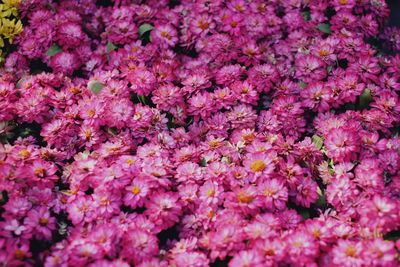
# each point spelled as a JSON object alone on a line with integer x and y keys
{"x": 169, "y": 234}
{"x": 221, "y": 263}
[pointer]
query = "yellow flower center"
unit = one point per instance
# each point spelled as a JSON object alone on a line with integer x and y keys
{"x": 222, "y": 94}
{"x": 91, "y": 112}
{"x": 250, "y": 52}
{"x": 88, "y": 134}
{"x": 269, "y": 252}
{"x": 24, "y": 153}
{"x": 166, "y": 35}
{"x": 239, "y": 7}
{"x": 316, "y": 233}
{"x": 257, "y": 165}
{"x": 104, "y": 201}
{"x": 19, "y": 254}
{"x": 75, "y": 90}
{"x": 56, "y": 259}
{"x": 249, "y": 137}
{"x": 43, "y": 221}
{"x": 211, "y": 214}
{"x": 135, "y": 190}
{"x": 243, "y": 198}
{"x": 323, "y": 53}
{"x": 297, "y": 244}
{"x": 351, "y": 252}
{"x": 210, "y": 192}
{"x": 213, "y": 143}
{"x": 40, "y": 172}
{"x": 268, "y": 192}
{"x": 234, "y": 23}
{"x": 203, "y": 24}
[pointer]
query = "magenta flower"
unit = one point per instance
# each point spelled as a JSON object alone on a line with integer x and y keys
{"x": 165, "y": 35}
{"x": 136, "y": 193}
{"x": 342, "y": 144}
{"x": 163, "y": 209}
{"x": 348, "y": 253}
{"x": 260, "y": 164}
{"x": 274, "y": 194}
{"x": 39, "y": 223}
{"x": 138, "y": 246}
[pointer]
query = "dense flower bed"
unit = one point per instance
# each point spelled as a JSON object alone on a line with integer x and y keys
{"x": 201, "y": 133}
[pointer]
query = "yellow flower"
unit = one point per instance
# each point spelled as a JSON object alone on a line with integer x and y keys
{"x": 12, "y": 3}
{"x": 9, "y": 28}
{"x": 5, "y": 11}
{"x": 11, "y": 6}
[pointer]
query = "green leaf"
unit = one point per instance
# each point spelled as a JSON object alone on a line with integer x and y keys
{"x": 325, "y": 28}
{"x": 113, "y": 131}
{"x": 62, "y": 228}
{"x": 365, "y": 98}
{"x": 203, "y": 162}
{"x": 328, "y": 69}
{"x": 302, "y": 84}
{"x": 306, "y": 15}
{"x": 144, "y": 28}
{"x": 331, "y": 164}
{"x": 321, "y": 201}
{"x": 18, "y": 84}
{"x": 95, "y": 86}
{"x": 54, "y": 49}
{"x": 142, "y": 99}
{"x": 305, "y": 214}
{"x": 51, "y": 6}
{"x": 318, "y": 141}
{"x": 111, "y": 47}
{"x": 171, "y": 122}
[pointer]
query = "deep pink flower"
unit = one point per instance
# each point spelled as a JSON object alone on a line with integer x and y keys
{"x": 163, "y": 209}
{"x": 274, "y": 194}
{"x": 70, "y": 35}
{"x": 39, "y": 223}
{"x": 165, "y": 35}
{"x": 348, "y": 253}
{"x": 260, "y": 164}
{"x": 65, "y": 62}
{"x": 138, "y": 245}
{"x": 247, "y": 258}
{"x": 136, "y": 193}
{"x": 342, "y": 145}
{"x": 310, "y": 68}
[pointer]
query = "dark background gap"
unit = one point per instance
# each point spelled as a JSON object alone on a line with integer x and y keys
{"x": 394, "y": 6}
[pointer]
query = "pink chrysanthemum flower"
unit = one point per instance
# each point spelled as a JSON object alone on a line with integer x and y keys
{"x": 348, "y": 253}
{"x": 163, "y": 209}
{"x": 138, "y": 245}
{"x": 274, "y": 194}
{"x": 40, "y": 224}
{"x": 260, "y": 164}
{"x": 247, "y": 258}
{"x": 136, "y": 193}
{"x": 342, "y": 145}
{"x": 65, "y": 62}
{"x": 165, "y": 35}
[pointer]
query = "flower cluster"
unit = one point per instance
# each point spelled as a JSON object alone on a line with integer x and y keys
{"x": 198, "y": 133}
{"x": 10, "y": 25}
